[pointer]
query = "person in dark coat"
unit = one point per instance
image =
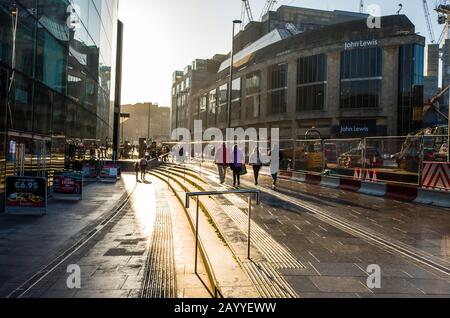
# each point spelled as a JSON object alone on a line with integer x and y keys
{"x": 143, "y": 166}
{"x": 137, "y": 168}
{"x": 237, "y": 166}
{"x": 256, "y": 162}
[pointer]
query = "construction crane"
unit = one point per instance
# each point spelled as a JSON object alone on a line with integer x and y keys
{"x": 267, "y": 7}
{"x": 428, "y": 20}
{"x": 443, "y": 11}
{"x": 248, "y": 10}
{"x": 361, "y": 6}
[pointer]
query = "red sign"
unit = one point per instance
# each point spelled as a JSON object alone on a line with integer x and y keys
{"x": 68, "y": 183}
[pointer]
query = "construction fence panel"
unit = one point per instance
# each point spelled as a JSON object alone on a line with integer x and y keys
{"x": 343, "y": 157}
{"x": 394, "y": 159}
{"x": 309, "y": 156}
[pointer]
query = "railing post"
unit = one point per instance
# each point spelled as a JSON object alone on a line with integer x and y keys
{"x": 421, "y": 159}
{"x": 293, "y": 155}
{"x": 324, "y": 159}
{"x": 249, "y": 225}
{"x": 364, "y": 151}
{"x": 196, "y": 234}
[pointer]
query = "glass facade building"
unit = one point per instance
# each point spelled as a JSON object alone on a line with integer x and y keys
{"x": 57, "y": 70}
{"x": 361, "y": 77}
{"x": 411, "y": 88}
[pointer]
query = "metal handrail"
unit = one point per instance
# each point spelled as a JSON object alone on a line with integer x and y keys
{"x": 214, "y": 193}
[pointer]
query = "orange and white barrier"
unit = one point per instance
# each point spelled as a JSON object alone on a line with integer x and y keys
{"x": 436, "y": 176}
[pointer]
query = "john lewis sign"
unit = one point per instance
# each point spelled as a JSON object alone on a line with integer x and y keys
{"x": 360, "y": 44}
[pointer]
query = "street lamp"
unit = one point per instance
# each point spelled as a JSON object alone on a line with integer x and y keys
{"x": 14, "y": 12}
{"x": 231, "y": 75}
{"x": 148, "y": 122}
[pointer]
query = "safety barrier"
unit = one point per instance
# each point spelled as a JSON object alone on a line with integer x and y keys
{"x": 380, "y": 189}
{"x": 393, "y": 159}
{"x": 436, "y": 176}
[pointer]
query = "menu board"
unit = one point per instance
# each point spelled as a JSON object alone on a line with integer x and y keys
{"x": 109, "y": 174}
{"x": 89, "y": 171}
{"x": 68, "y": 185}
{"x": 26, "y": 195}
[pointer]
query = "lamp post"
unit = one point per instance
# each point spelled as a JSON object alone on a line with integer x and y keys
{"x": 231, "y": 75}
{"x": 148, "y": 121}
{"x": 14, "y": 12}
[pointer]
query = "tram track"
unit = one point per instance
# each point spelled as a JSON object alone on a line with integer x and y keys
{"x": 372, "y": 237}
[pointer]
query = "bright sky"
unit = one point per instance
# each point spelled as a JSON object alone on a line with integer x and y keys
{"x": 162, "y": 36}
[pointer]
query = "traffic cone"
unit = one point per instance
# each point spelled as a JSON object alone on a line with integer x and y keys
{"x": 355, "y": 177}
{"x": 368, "y": 176}
{"x": 375, "y": 178}
{"x": 361, "y": 174}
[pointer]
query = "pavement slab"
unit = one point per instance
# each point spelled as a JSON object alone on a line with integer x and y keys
{"x": 336, "y": 260}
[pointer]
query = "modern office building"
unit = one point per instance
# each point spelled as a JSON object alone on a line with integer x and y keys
{"x": 57, "y": 69}
{"x": 302, "y": 68}
{"x": 188, "y": 81}
{"x": 432, "y": 116}
{"x": 145, "y": 120}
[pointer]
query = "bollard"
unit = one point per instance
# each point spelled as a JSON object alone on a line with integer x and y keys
{"x": 196, "y": 235}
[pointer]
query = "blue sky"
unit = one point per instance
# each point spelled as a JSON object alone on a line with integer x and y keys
{"x": 165, "y": 35}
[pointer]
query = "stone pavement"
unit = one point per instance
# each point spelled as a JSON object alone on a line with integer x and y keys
{"x": 115, "y": 262}
{"x": 28, "y": 243}
{"x": 336, "y": 261}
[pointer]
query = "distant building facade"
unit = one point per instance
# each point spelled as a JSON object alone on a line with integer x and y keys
{"x": 146, "y": 120}
{"x": 302, "y": 68}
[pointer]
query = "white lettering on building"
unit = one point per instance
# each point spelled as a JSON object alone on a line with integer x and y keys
{"x": 360, "y": 44}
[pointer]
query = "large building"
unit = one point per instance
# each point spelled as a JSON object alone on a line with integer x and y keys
{"x": 145, "y": 120}
{"x": 302, "y": 68}
{"x": 57, "y": 70}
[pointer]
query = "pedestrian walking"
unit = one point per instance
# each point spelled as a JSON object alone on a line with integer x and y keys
{"x": 222, "y": 160}
{"x": 275, "y": 159}
{"x": 256, "y": 162}
{"x": 237, "y": 166}
{"x": 137, "y": 168}
{"x": 143, "y": 166}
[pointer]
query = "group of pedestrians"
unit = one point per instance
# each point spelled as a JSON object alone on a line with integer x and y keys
{"x": 235, "y": 160}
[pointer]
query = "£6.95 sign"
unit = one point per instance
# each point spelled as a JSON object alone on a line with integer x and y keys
{"x": 26, "y": 195}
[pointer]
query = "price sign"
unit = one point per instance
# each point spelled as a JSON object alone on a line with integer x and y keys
{"x": 26, "y": 195}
